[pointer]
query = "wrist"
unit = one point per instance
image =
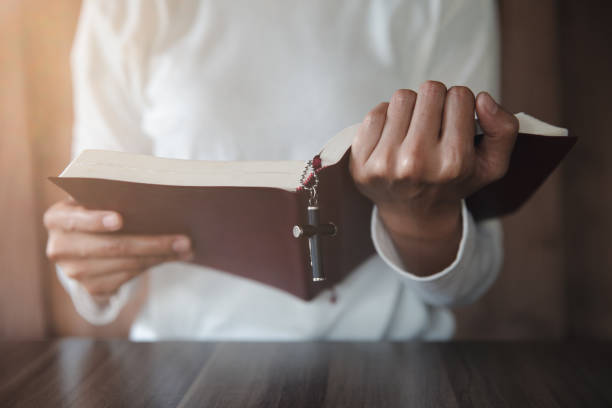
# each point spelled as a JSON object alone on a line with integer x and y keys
{"x": 430, "y": 224}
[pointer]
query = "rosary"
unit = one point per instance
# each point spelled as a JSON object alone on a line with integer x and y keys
{"x": 313, "y": 230}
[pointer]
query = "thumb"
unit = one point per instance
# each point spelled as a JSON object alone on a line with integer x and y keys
{"x": 500, "y": 129}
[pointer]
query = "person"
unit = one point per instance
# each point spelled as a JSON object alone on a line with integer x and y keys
{"x": 273, "y": 80}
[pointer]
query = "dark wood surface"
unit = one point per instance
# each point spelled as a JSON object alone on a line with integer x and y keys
{"x": 117, "y": 373}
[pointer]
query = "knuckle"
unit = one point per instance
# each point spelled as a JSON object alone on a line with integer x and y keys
{"x": 375, "y": 117}
{"x": 404, "y": 96}
{"x": 451, "y": 169}
{"x": 355, "y": 167}
{"x": 409, "y": 166}
{"x": 512, "y": 126}
{"x": 50, "y": 251}
{"x": 375, "y": 171}
{"x": 48, "y": 218}
{"x": 433, "y": 88}
{"x": 73, "y": 270}
{"x": 462, "y": 93}
{"x": 499, "y": 170}
{"x": 55, "y": 247}
{"x": 70, "y": 224}
{"x": 359, "y": 176}
{"x": 379, "y": 168}
{"x": 365, "y": 179}
{"x": 117, "y": 246}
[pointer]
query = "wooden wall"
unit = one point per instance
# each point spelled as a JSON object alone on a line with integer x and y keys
{"x": 22, "y": 292}
{"x": 528, "y": 299}
{"x": 557, "y": 277}
{"x": 586, "y": 63}
{"x": 35, "y": 132}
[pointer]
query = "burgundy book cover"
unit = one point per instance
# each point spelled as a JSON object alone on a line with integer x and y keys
{"x": 533, "y": 159}
{"x": 247, "y": 231}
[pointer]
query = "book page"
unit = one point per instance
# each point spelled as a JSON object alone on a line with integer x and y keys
{"x": 139, "y": 168}
{"x": 285, "y": 175}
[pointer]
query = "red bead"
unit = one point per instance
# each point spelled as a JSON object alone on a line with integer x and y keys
{"x": 316, "y": 162}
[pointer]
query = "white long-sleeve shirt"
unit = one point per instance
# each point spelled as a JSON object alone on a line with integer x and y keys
{"x": 274, "y": 80}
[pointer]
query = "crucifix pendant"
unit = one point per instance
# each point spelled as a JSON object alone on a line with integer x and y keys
{"x": 313, "y": 230}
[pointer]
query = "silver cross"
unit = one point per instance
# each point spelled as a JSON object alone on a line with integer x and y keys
{"x": 312, "y": 231}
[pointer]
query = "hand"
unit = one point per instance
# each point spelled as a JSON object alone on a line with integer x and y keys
{"x": 415, "y": 158}
{"x": 80, "y": 243}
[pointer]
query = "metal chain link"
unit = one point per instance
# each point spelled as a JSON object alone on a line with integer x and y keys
{"x": 313, "y": 198}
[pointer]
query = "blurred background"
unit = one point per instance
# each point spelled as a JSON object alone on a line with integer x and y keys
{"x": 557, "y": 278}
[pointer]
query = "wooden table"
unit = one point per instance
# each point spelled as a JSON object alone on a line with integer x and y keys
{"x": 117, "y": 373}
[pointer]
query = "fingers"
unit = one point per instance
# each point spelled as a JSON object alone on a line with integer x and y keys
{"x": 63, "y": 245}
{"x": 427, "y": 139}
{"x": 500, "y": 129}
{"x": 457, "y": 134}
{"x": 369, "y": 133}
{"x": 103, "y": 274}
{"x": 426, "y": 118}
{"x": 78, "y": 268}
{"x": 418, "y": 157}
{"x": 404, "y": 140}
{"x": 382, "y": 161}
{"x": 104, "y": 262}
{"x": 69, "y": 216}
{"x": 399, "y": 115}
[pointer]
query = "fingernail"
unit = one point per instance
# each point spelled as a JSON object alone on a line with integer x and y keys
{"x": 110, "y": 221}
{"x": 181, "y": 244}
{"x": 489, "y": 104}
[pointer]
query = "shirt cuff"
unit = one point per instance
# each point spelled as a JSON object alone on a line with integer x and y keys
{"x": 460, "y": 282}
{"x": 98, "y": 313}
{"x": 386, "y": 249}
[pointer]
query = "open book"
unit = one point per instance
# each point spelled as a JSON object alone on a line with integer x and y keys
{"x": 252, "y": 218}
